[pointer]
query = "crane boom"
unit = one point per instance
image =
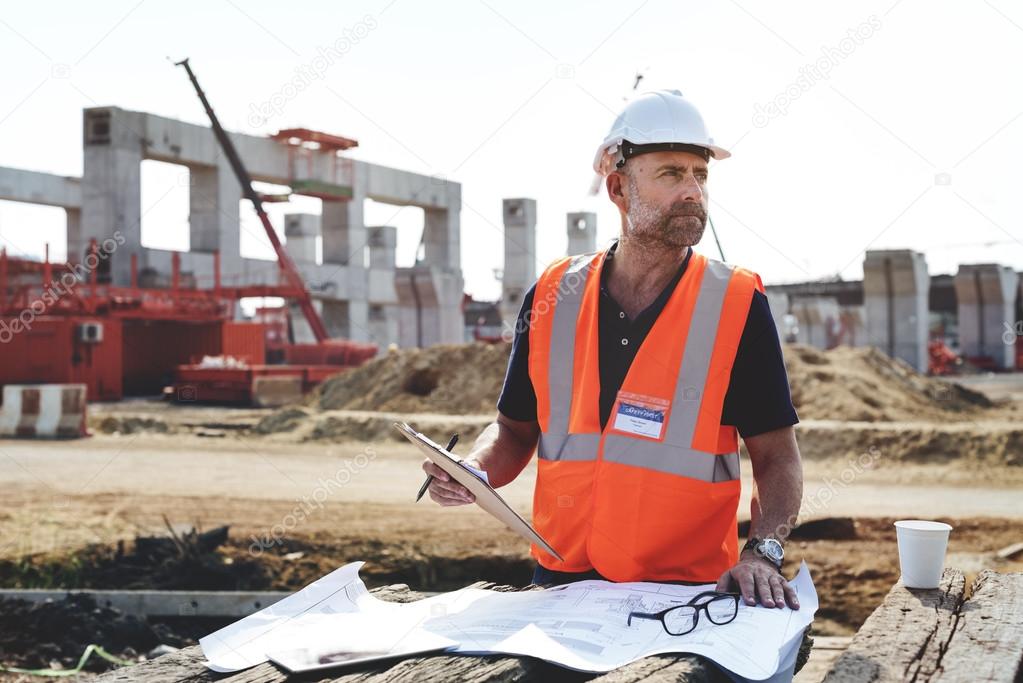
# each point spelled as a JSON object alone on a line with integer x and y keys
{"x": 291, "y": 273}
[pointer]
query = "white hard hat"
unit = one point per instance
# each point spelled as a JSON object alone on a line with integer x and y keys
{"x": 661, "y": 120}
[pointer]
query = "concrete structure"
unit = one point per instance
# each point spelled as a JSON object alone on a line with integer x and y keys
{"x": 895, "y": 289}
{"x": 778, "y": 301}
{"x": 818, "y": 319}
{"x": 853, "y": 331}
{"x": 582, "y": 232}
{"x": 355, "y": 287}
{"x": 986, "y": 294}
{"x": 301, "y": 230}
{"x": 519, "y": 255}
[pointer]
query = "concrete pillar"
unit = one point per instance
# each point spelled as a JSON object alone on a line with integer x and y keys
{"x": 74, "y": 234}
{"x": 344, "y": 232}
{"x": 301, "y": 231}
{"x": 337, "y": 319}
{"x": 853, "y": 329}
{"x": 895, "y": 290}
{"x": 778, "y": 301}
{"x": 818, "y": 321}
{"x": 582, "y": 232}
{"x": 442, "y": 232}
{"x": 300, "y": 328}
{"x": 214, "y": 196}
{"x": 427, "y": 314}
{"x": 383, "y": 324}
{"x": 986, "y": 296}
{"x": 383, "y": 243}
{"x": 111, "y": 187}
{"x": 519, "y": 255}
{"x": 383, "y": 311}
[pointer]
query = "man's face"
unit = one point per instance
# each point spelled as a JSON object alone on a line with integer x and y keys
{"x": 666, "y": 196}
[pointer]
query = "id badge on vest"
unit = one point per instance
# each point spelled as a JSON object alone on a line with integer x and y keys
{"x": 640, "y": 415}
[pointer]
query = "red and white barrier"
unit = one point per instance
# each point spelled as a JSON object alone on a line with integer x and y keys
{"x": 43, "y": 410}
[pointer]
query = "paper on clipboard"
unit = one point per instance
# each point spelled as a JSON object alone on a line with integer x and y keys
{"x": 486, "y": 497}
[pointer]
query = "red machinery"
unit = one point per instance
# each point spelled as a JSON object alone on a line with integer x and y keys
{"x": 57, "y": 328}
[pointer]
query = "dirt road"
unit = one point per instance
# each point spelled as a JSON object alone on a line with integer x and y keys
{"x": 109, "y": 486}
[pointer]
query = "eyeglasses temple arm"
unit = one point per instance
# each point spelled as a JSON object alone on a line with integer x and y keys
{"x": 642, "y": 615}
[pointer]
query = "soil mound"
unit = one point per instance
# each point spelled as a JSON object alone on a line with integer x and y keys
{"x": 864, "y": 384}
{"x": 455, "y": 379}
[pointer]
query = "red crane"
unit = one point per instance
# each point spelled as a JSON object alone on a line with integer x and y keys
{"x": 291, "y": 274}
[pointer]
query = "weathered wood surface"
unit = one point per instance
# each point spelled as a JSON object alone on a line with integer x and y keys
{"x": 945, "y": 634}
{"x": 186, "y": 666}
{"x": 988, "y": 642}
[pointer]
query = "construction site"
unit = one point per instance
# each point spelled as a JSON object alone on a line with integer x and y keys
{"x": 175, "y": 460}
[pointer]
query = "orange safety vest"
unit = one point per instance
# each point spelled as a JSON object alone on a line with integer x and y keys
{"x": 654, "y": 495}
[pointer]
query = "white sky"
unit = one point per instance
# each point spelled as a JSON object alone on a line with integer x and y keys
{"x": 511, "y": 98}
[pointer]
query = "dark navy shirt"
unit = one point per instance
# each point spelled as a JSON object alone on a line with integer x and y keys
{"x": 757, "y": 400}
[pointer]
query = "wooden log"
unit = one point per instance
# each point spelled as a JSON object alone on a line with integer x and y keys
{"x": 988, "y": 641}
{"x": 946, "y": 634}
{"x": 902, "y": 639}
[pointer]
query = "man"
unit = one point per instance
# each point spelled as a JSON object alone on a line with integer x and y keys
{"x": 633, "y": 372}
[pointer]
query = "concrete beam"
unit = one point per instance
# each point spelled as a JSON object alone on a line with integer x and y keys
{"x": 44, "y": 189}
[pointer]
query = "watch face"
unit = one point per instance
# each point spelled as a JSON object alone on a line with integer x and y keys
{"x": 773, "y": 550}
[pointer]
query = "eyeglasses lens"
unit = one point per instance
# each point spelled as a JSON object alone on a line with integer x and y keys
{"x": 680, "y": 620}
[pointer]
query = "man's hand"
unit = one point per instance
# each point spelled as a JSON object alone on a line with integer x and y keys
{"x": 757, "y": 577}
{"x": 443, "y": 489}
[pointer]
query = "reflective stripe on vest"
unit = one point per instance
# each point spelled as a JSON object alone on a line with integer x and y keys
{"x": 674, "y": 454}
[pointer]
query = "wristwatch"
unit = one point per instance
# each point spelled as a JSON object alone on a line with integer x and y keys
{"x": 768, "y": 548}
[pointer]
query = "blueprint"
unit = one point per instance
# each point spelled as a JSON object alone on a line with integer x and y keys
{"x": 581, "y": 626}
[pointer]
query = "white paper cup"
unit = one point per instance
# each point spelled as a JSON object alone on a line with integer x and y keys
{"x": 922, "y": 546}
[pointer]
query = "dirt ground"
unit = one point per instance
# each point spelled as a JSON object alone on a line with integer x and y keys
{"x": 298, "y": 510}
{"x": 311, "y": 487}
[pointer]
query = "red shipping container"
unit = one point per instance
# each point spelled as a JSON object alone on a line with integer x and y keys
{"x": 50, "y": 350}
{"x": 245, "y": 341}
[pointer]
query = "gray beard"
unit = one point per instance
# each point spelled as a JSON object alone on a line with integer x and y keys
{"x": 665, "y": 228}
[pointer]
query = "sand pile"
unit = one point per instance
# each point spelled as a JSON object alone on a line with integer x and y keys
{"x": 864, "y": 384}
{"x": 847, "y": 384}
{"x": 454, "y": 379}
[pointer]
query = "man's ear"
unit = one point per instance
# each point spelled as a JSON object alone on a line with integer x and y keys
{"x": 616, "y": 190}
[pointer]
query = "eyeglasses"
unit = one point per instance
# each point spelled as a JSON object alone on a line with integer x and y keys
{"x": 721, "y": 609}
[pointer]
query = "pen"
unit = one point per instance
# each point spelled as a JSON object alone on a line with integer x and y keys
{"x": 429, "y": 477}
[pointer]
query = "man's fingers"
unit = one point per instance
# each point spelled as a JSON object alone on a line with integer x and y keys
{"x": 724, "y": 582}
{"x": 764, "y": 589}
{"x": 777, "y": 590}
{"x": 452, "y": 488}
{"x": 744, "y": 577}
{"x": 433, "y": 469}
{"x": 446, "y": 499}
{"x": 790, "y": 596}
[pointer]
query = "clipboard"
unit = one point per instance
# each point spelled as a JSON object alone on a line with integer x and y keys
{"x": 486, "y": 497}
